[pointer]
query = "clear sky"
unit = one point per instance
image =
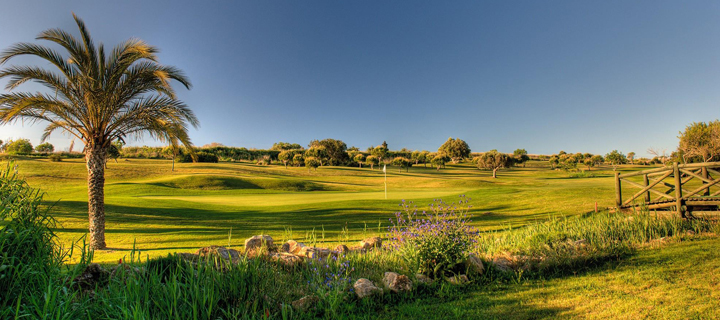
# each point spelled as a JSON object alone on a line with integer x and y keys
{"x": 579, "y": 76}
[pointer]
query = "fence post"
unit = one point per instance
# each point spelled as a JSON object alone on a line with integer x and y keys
{"x": 618, "y": 191}
{"x": 705, "y": 175}
{"x": 678, "y": 190}
{"x": 647, "y": 183}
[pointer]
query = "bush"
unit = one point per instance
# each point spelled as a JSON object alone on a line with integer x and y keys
{"x": 312, "y": 162}
{"x": 45, "y": 147}
{"x": 201, "y": 157}
{"x": 55, "y": 157}
{"x": 433, "y": 243}
{"x": 20, "y": 146}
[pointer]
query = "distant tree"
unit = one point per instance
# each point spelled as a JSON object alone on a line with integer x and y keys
{"x": 372, "y": 161}
{"x": 631, "y": 157}
{"x": 661, "y": 156}
{"x": 615, "y": 158}
{"x": 20, "y": 146}
{"x": 336, "y": 150}
{"x": 286, "y": 156}
{"x": 439, "y": 161}
{"x": 380, "y": 152}
{"x": 456, "y": 149}
{"x": 45, "y": 147}
{"x": 494, "y": 160}
{"x": 597, "y": 160}
{"x": 402, "y": 163}
{"x": 280, "y": 146}
{"x": 359, "y": 158}
{"x": 425, "y": 157}
{"x": 561, "y": 153}
{"x": 319, "y": 153}
{"x": 554, "y": 161}
{"x": 169, "y": 152}
{"x": 385, "y": 145}
{"x": 312, "y": 162}
{"x": 700, "y": 140}
{"x": 298, "y": 159}
{"x": 521, "y": 156}
{"x": 112, "y": 153}
{"x": 353, "y": 148}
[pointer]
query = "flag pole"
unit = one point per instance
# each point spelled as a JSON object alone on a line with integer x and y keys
{"x": 385, "y": 172}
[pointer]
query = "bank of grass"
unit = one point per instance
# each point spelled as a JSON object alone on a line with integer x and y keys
{"x": 612, "y": 274}
{"x": 198, "y": 204}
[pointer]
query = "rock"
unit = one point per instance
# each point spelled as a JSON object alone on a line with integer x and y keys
{"x": 359, "y": 249}
{"x": 580, "y": 243}
{"x": 364, "y": 287}
{"x": 218, "y": 251}
{"x": 372, "y": 242}
{"x": 314, "y": 253}
{"x": 459, "y": 279}
{"x": 257, "y": 242}
{"x": 292, "y": 246}
{"x": 421, "y": 278}
{"x": 397, "y": 282}
{"x": 93, "y": 276}
{"x": 474, "y": 264}
{"x": 342, "y": 249}
{"x": 502, "y": 264}
{"x": 304, "y": 303}
{"x": 287, "y": 259}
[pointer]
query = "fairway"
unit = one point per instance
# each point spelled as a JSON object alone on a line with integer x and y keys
{"x": 159, "y": 211}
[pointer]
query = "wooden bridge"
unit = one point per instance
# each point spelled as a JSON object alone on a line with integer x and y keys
{"x": 687, "y": 189}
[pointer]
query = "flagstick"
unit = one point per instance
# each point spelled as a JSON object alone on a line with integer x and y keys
{"x": 385, "y": 172}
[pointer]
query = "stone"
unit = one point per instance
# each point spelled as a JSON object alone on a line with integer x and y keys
{"x": 503, "y": 264}
{"x": 341, "y": 248}
{"x": 287, "y": 259}
{"x": 459, "y": 279}
{"x": 218, "y": 251}
{"x": 314, "y": 253}
{"x": 580, "y": 243}
{"x": 292, "y": 246}
{"x": 304, "y": 303}
{"x": 364, "y": 288}
{"x": 372, "y": 242}
{"x": 93, "y": 276}
{"x": 474, "y": 264}
{"x": 192, "y": 257}
{"x": 421, "y": 278}
{"x": 397, "y": 282}
{"x": 257, "y": 242}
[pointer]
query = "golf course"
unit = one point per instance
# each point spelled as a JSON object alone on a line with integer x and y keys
{"x": 162, "y": 211}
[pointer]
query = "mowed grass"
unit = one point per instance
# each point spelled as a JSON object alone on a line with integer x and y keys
{"x": 159, "y": 211}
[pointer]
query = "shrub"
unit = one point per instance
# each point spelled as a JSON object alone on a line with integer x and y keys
{"x": 45, "y": 147}
{"x": 433, "y": 243}
{"x": 312, "y": 162}
{"x": 20, "y": 146}
{"x": 201, "y": 157}
{"x": 55, "y": 157}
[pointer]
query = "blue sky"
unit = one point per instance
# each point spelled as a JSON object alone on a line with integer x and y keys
{"x": 578, "y": 76}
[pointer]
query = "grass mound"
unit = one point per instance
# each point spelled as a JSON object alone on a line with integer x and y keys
{"x": 211, "y": 182}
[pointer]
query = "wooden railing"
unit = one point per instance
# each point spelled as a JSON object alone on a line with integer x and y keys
{"x": 677, "y": 197}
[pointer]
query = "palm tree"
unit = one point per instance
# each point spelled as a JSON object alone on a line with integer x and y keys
{"x": 97, "y": 98}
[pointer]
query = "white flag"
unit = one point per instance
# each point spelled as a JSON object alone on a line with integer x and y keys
{"x": 384, "y": 168}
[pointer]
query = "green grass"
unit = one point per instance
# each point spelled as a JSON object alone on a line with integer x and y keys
{"x": 198, "y": 204}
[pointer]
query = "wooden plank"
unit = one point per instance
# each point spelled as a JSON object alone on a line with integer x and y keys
{"x": 700, "y": 165}
{"x": 678, "y": 190}
{"x": 704, "y": 173}
{"x": 647, "y": 188}
{"x": 696, "y": 175}
{"x": 649, "y": 171}
{"x": 618, "y": 190}
{"x": 646, "y": 180}
{"x": 704, "y": 187}
{"x": 651, "y": 190}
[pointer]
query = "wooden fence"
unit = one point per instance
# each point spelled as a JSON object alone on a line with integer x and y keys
{"x": 672, "y": 188}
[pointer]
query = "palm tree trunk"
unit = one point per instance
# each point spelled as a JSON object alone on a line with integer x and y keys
{"x": 95, "y": 162}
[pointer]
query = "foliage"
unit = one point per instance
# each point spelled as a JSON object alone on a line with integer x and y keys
{"x": 312, "y": 162}
{"x": 380, "y": 152}
{"x": 281, "y": 146}
{"x": 298, "y": 160}
{"x": 439, "y": 160}
{"x": 55, "y": 157}
{"x": 359, "y": 158}
{"x": 433, "y": 242}
{"x": 700, "y": 140}
{"x": 335, "y": 151}
{"x": 45, "y": 147}
{"x": 493, "y": 160}
{"x": 319, "y": 154}
{"x": 372, "y": 161}
{"x": 615, "y": 158}
{"x": 286, "y": 157}
{"x": 201, "y": 156}
{"x": 456, "y": 149}
{"x": 520, "y": 156}
{"x": 19, "y": 146}
{"x": 113, "y": 152}
{"x": 402, "y": 163}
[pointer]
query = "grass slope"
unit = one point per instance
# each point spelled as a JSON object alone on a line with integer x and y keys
{"x": 198, "y": 204}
